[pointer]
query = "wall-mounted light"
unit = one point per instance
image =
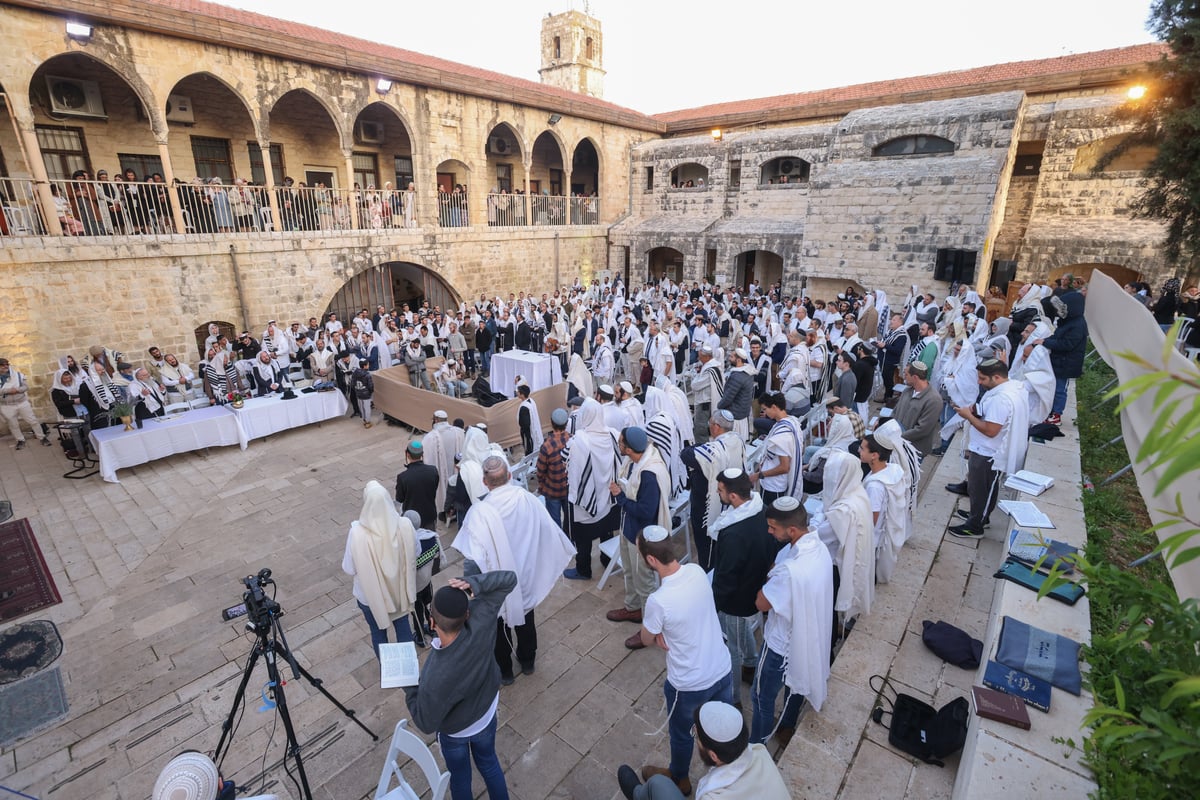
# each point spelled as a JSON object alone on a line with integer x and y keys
{"x": 1136, "y": 92}
{"x": 79, "y": 31}
{"x": 716, "y": 134}
{"x": 555, "y": 119}
{"x": 383, "y": 86}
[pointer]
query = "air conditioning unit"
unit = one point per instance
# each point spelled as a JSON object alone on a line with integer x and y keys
{"x": 74, "y": 97}
{"x": 368, "y": 132}
{"x": 790, "y": 165}
{"x": 499, "y": 146}
{"x": 179, "y": 109}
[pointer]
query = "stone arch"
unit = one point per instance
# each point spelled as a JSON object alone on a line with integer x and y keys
{"x": 586, "y": 160}
{"x": 915, "y": 145}
{"x": 764, "y": 267}
{"x": 332, "y": 113}
{"x": 225, "y": 328}
{"x": 382, "y": 130}
{"x": 389, "y": 284}
{"x": 664, "y": 262}
{"x": 75, "y": 64}
{"x": 690, "y": 171}
{"x": 784, "y": 170}
{"x": 1118, "y": 153}
{"x": 181, "y": 86}
{"x": 510, "y": 134}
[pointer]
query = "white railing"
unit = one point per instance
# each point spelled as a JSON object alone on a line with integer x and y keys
{"x": 129, "y": 208}
{"x": 506, "y": 210}
{"x": 509, "y": 210}
{"x": 452, "y": 210}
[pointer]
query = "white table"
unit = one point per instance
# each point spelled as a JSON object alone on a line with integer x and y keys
{"x": 541, "y": 371}
{"x": 214, "y": 426}
{"x": 263, "y": 416}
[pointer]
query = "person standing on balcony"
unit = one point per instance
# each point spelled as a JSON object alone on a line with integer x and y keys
{"x": 222, "y": 211}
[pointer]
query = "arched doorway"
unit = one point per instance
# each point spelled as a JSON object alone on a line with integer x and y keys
{"x": 391, "y": 285}
{"x": 548, "y": 202}
{"x": 664, "y": 262}
{"x": 757, "y": 266}
{"x": 585, "y": 183}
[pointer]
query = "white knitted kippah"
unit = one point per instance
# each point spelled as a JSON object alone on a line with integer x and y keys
{"x": 654, "y": 533}
{"x": 786, "y": 503}
{"x": 720, "y": 722}
{"x": 732, "y": 472}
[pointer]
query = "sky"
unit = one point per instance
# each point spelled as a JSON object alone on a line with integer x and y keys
{"x": 665, "y": 55}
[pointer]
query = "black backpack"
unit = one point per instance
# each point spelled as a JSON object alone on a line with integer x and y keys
{"x": 917, "y": 728}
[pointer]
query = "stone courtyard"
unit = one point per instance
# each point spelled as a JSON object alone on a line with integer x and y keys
{"x": 146, "y": 566}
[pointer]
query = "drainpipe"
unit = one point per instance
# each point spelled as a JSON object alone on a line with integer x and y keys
{"x": 237, "y": 282}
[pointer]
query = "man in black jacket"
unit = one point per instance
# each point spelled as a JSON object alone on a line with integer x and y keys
{"x": 417, "y": 485}
{"x": 459, "y": 688}
{"x": 743, "y": 555}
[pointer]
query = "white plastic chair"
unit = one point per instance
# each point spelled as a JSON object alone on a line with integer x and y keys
{"x": 682, "y": 530}
{"x": 176, "y": 408}
{"x": 612, "y": 549}
{"x": 407, "y": 743}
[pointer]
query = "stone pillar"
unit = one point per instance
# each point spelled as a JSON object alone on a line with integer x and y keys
{"x": 41, "y": 180}
{"x": 355, "y": 222}
{"x": 567, "y": 193}
{"x": 264, "y": 148}
{"x": 528, "y": 199}
{"x": 164, "y": 155}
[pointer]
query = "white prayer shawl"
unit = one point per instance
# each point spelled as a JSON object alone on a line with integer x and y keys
{"x": 714, "y": 457}
{"x": 592, "y": 457}
{"x": 679, "y": 408}
{"x": 440, "y": 446}
{"x": 175, "y": 375}
{"x": 841, "y": 433}
{"x": 848, "y": 510}
{"x": 72, "y": 390}
{"x": 905, "y": 455}
{"x": 786, "y": 435}
{"x": 103, "y": 389}
{"x": 602, "y": 362}
{"x": 633, "y": 411}
{"x": 962, "y": 379}
{"x": 709, "y": 384}
{"x": 1010, "y": 455}
{"x": 662, "y": 429}
{"x": 476, "y": 448}
{"x": 735, "y": 514}
{"x": 152, "y": 400}
{"x": 794, "y": 371}
{"x": 383, "y": 548}
{"x": 809, "y": 617}
{"x": 535, "y": 424}
{"x": 892, "y": 531}
{"x": 511, "y": 530}
{"x": 1038, "y": 377}
{"x": 578, "y": 375}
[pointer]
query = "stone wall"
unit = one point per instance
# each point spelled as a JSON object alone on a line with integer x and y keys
{"x": 128, "y": 294}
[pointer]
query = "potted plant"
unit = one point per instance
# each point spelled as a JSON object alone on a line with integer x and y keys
{"x": 124, "y": 412}
{"x": 236, "y": 399}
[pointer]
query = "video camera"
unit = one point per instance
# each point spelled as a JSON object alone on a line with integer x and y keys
{"x": 256, "y": 606}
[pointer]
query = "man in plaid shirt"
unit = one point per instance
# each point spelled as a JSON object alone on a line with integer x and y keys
{"x": 552, "y": 467}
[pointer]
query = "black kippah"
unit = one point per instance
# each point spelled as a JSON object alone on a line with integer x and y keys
{"x": 451, "y": 603}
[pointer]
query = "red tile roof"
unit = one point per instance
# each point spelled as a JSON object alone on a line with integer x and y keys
{"x": 1014, "y": 72}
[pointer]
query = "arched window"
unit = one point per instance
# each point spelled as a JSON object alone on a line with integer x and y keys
{"x": 914, "y": 146}
{"x": 588, "y": 48}
{"x": 557, "y": 47}
{"x": 689, "y": 176}
{"x": 784, "y": 170}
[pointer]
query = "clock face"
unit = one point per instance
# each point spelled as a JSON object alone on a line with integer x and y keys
{"x": 68, "y": 95}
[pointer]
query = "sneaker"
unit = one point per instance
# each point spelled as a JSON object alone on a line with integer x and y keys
{"x": 1054, "y": 419}
{"x": 574, "y": 575}
{"x": 366, "y": 424}
{"x": 964, "y": 532}
{"x": 21, "y": 445}
{"x": 45, "y": 441}
{"x": 627, "y": 779}
{"x": 964, "y": 513}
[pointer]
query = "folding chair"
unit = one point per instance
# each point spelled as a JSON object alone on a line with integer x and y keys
{"x": 612, "y": 549}
{"x": 406, "y": 742}
{"x": 177, "y": 408}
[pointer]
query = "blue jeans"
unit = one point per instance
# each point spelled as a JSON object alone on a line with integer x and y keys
{"x": 486, "y": 357}
{"x": 458, "y": 752}
{"x": 379, "y": 635}
{"x": 554, "y": 505}
{"x": 1060, "y": 397}
{"x": 683, "y": 707}
{"x": 767, "y": 684}
{"x": 739, "y": 640}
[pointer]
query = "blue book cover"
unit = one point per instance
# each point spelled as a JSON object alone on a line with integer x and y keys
{"x": 1034, "y": 691}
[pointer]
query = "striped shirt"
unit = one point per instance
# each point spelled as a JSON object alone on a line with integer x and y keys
{"x": 551, "y": 468}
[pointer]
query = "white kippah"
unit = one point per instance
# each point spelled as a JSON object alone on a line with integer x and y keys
{"x": 726, "y": 413}
{"x": 605, "y": 388}
{"x": 439, "y": 414}
{"x": 706, "y": 349}
{"x": 786, "y": 503}
{"x": 742, "y": 354}
{"x": 481, "y": 425}
{"x": 732, "y": 472}
{"x": 720, "y": 722}
{"x": 654, "y": 533}
{"x": 626, "y": 387}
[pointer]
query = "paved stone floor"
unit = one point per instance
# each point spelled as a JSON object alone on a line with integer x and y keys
{"x": 145, "y": 567}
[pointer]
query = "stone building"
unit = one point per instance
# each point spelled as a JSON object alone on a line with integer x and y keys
{"x": 516, "y": 185}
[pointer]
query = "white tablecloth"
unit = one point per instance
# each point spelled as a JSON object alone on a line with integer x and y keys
{"x": 263, "y": 416}
{"x": 214, "y": 426}
{"x": 540, "y": 370}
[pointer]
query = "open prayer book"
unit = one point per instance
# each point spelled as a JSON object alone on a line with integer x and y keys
{"x": 1033, "y": 483}
{"x": 398, "y": 665}
{"x": 1025, "y": 514}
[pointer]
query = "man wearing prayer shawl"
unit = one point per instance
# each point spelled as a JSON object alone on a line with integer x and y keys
{"x": 592, "y": 457}
{"x": 266, "y": 375}
{"x": 510, "y": 529}
{"x": 707, "y": 386}
{"x": 799, "y": 600}
{"x": 781, "y": 471}
{"x": 602, "y": 360}
{"x": 441, "y": 444}
{"x": 905, "y": 455}
{"x": 662, "y": 430}
{"x": 579, "y": 378}
{"x": 381, "y": 555}
{"x": 704, "y": 462}
{"x": 146, "y": 395}
{"x": 847, "y": 531}
{"x": 1035, "y": 370}
{"x": 528, "y": 421}
{"x": 641, "y": 490}
{"x": 886, "y": 489}
{"x": 680, "y": 410}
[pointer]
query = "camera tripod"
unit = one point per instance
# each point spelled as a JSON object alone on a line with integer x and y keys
{"x": 271, "y": 644}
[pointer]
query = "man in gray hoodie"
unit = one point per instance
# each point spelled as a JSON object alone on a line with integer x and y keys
{"x": 459, "y": 688}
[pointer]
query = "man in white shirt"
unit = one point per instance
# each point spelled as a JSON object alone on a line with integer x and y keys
{"x": 798, "y": 599}
{"x": 681, "y": 618}
{"x": 782, "y": 465}
{"x": 15, "y": 407}
{"x": 887, "y": 490}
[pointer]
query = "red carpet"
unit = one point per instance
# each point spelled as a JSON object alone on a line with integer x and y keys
{"x": 25, "y": 583}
